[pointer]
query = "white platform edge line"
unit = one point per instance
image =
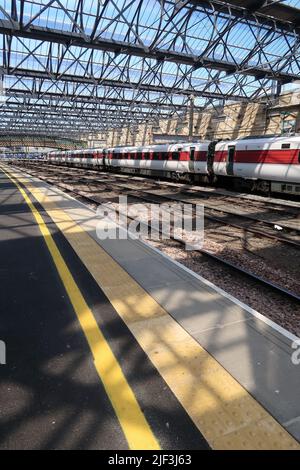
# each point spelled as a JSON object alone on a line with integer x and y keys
{"x": 290, "y": 336}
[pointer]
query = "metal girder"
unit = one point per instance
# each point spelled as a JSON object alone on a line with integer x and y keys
{"x": 18, "y": 109}
{"x": 140, "y": 51}
{"x": 85, "y": 113}
{"x": 94, "y": 95}
{"x": 178, "y": 13}
{"x": 85, "y": 102}
{"x": 164, "y": 53}
{"x": 114, "y": 84}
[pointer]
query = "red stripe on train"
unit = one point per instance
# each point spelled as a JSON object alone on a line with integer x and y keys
{"x": 291, "y": 156}
{"x": 183, "y": 156}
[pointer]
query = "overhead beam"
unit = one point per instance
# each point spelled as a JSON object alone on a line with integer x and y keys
{"x": 84, "y": 113}
{"x": 41, "y": 74}
{"x": 173, "y": 42}
{"x": 14, "y": 92}
{"x": 13, "y": 28}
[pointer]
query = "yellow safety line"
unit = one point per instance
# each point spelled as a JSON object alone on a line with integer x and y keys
{"x": 133, "y": 422}
{"x": 224, "y": 411}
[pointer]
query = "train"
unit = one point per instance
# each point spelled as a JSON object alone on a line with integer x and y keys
{"x": 263, "y": 163}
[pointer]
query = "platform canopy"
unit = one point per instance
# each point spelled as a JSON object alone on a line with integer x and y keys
{"x": 78, "y": 67}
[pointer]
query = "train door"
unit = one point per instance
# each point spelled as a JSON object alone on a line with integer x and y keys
{"x": 230, "y": 160}
{"x": 104, "y": 162}
{"x": 192, "y": 160}
{"x": 211, "y": 158}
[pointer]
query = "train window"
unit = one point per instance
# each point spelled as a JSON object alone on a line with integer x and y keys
{"x": 176, "y": 154}
{"x": 286, "y": 146}
{"x": 299, "y": 157}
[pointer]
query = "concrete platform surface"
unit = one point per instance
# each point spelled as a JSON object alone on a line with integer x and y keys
{"x": 226, "y": 369}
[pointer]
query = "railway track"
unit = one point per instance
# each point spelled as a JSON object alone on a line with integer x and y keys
{"x": 251, "y": 224}
{"x": 151, "y": 197}
{"x": 206, "y": 191}
{"x": 88, "y": 198}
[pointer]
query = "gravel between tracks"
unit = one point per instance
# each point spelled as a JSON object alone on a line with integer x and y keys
{"x": 273, "y": 306}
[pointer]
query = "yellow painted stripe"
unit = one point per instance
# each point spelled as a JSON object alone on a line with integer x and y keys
{"x": 130, "y": 416}
{"x": 226, "y": 414}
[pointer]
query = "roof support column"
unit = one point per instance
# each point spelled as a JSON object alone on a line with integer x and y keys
{"x": 191, "y": 117}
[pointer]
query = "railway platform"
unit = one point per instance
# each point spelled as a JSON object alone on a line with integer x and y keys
{"x": 112, "y": 345}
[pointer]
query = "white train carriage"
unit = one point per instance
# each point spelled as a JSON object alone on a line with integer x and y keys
{"x": 266, "y": 159}
{"x": 55, "y": 157}
{"x": 169, "y": 159}
{"x": 82, "y": 158}
{"x": 264, "y": 163}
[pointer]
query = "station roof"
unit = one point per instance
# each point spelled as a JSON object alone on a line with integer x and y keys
{"x": 74, "y": 67}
